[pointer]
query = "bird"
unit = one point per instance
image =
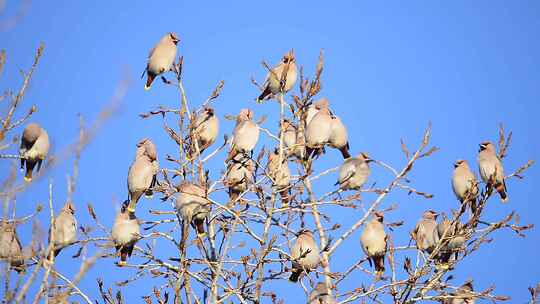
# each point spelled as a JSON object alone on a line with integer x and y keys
{"x": 245, "y": 134}
{"x": 205, "y": 129}
{"x": 464, "y": 183}
{"x": 339, "y": 138}
{"x": 239, "y": 176}
{"x": 125, "y": 233}
{"x": 10, "y": 246}
{"x": 304, "y": 254}
{"x": 318, "y": 131}
{"x": 34, "y": 148}
{"x": 142, "y": 174}
{"x": 354, "y": 172}
{"x": 314, "y": 108}
{"x": 455, "y": 237}
{"x": 293, "y": 141}
{"x": 192, "y": 205}
{"x": 425, "y": 233}
{"x": 463, "y": 295}
{"x": 280, "y": 175}
{"x": 320, "y": 295}
{"x": 65, "y": 228}
{"x": 491, "y": 169}
{"x": 374, "y": 242}
{"x": 161, "y": 58}
{"x": 273, "y": 81}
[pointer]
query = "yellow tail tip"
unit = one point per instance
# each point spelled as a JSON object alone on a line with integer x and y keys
{"x": 121, "y": 263}
{"x": 146, "y": 88}
{"x": 201, "y": 235}
{"x": 149, "y": 196}
{"x": 27, "y": 179}
{"x": 131, "y": 210}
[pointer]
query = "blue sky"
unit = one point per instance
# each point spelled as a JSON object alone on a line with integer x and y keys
{"x": 390, "y": 68}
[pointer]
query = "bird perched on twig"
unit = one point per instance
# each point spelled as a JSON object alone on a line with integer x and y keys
{"x": 10, "y": 246}
{"x": 125, "y": 233}
{"x": 280, "y": 175}
{"x": 160, "y": 58}
{"x": 65, "y": 228}
{"x": 205, "y": 130}
{"x": 34, "y": 148}
{"x": 354, "y": 172}
{"x": 142, "y": 174}
{"x": 374, "y": 242}
{"x": 464, "y": 184}
{"x": 192, "y": 205}
{"x": 245, "y": 134}
{"x": 425, "y": 233}
{"x": 304, "y": 254}
{"x": 491, "y": 169}
{"x": 281, "y": 76}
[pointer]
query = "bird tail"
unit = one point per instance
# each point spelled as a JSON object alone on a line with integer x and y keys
{"x": 30, "y": 164}
{"x": 264, "y": 94}
{"x": 134, "y": 198}
{"x": 345, "y": 151}
{"x": 149, "y": 80}
{"x": 295, "y": 275}
{"x": 57, "y": 251}
{"x": 284, "y": 198}
{"x": 233, "y": 196}
{"x": 379, "y": 264}
{"x": 199, "y": 226}
{"x": 501, "y": 188}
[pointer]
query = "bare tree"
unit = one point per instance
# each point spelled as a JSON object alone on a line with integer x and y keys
{"x": 248, "y": 237}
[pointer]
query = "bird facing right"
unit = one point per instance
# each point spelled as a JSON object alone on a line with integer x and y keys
{"x": 161, "y": 58}
{"x": 354, "y": 172}
{"x": 305, "y": 254}
{"x": 142, "y": 174}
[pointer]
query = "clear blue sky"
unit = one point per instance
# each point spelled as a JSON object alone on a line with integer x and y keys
{"x": 389, "y": 69}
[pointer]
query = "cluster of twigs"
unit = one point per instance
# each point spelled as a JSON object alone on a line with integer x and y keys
{"x": 248, "y": 243}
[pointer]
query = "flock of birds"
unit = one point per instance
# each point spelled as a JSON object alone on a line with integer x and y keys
{"x": 322, "y": 128}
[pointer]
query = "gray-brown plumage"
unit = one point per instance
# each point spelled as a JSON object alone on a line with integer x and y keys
{"x": 65, "y": 228}
{"x": 463, "y": 295}
{"x": 318, "y": 131}
{"x": 491, "y": 169}
{"x": 304, "y": 254}
{"x": 354, "y": 172}
{"x": 314, "y": 108}
{"x": 425, "y": 233}
{"x": 192, "y": 205}
{"x": 245, "y": 134}
{"x": 161, "y": 58}
{"x": 142, "y": 174}
{"x": 272, "y": 83}
{"x": 10, "y": 246}
{"x": 205, "y": 129}
{"x": 339, "y": 137}
{"x": 280, "y": 175}
{"x": 454, "y": 238}
{"x": 374, "y": 242}
{"x": 320, "y": 295}
{"x": 239, "y": 175}
{"x": 464, "y": 183}
{"x": 293, "y": 141}
{"x": 125, "y": 233}
{"x": 34, "y": 148}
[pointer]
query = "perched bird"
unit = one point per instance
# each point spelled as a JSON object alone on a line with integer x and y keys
{"x": 65, "y": 228}
{"x": 34, "y": 148}
{"x": 318, "y": 131}
{"x": 373, "y": 240}
{"x": 205, "y": 129}
{"x": 305, "y": 254}
{"x": 125, "y": 233}
{"x": 320, "y": 295}
{"x": 239, "y": 176}
{"x": 464, "y": 183}
{"x": 339, "y": 137}
{"x": 10, "y": 246}
{"x": 292, "y": 139}
{"x": 491, "y": 169}
{"x": 314, "y": 108}
{"x": 192, "y": 205}
{"x": 354, "y": 172}
{"x": 280, "y": 175}
{"x": 272, "y": 83}
{"x": 142, "y": 174}
{"x": 462, "y": 295}
{"x": 455, "y": 237}
{"x": 425, "y": 233}
{"x": 245, "y": 134}
{"x": 161, "y": 58}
